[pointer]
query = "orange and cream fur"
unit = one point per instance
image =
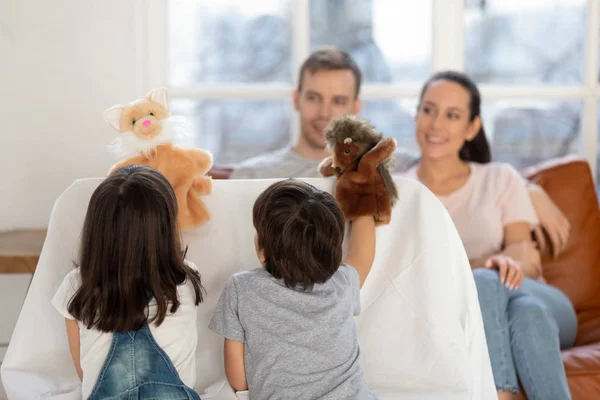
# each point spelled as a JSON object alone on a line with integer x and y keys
{"x": 146, "y": 136}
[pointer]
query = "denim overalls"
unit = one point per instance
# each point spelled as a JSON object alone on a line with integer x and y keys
{"x": 137, "y": 368}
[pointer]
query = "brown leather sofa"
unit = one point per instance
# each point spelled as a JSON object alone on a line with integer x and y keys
{"x": 576, "y": 271}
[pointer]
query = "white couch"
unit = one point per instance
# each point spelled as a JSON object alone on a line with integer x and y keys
{"x": 420, "y": 330}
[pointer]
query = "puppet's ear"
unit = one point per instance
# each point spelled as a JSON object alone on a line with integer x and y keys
{"x": 159, "y": 96}
{"x": 113, "y": 116}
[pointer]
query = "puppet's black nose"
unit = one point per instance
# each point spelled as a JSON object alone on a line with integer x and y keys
{"x": 338, "y": 169}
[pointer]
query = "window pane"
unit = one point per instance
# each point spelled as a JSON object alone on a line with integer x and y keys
{"x": 234, "y": 130}
{"x": 389, "y": 39}
{"x": 525, "y": 133}
{"x": 394, "y": 118}
{"x": 525, "y": 41}
{"x": 212, "y": 41}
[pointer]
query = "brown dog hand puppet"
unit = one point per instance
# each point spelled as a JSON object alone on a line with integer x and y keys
{"x": 146, "y": 136}
{"x": 361, "y": 159}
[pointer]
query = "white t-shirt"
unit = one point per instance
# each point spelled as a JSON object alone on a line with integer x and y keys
{"x": 177, "y": 335}
{"x": 493, "y": 196}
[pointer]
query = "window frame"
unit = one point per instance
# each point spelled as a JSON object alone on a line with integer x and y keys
{"x": 447, "y": 52}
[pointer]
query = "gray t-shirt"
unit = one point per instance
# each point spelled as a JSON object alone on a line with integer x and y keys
{"x": 286, "y": 163}
{"x": 298, "y": 345}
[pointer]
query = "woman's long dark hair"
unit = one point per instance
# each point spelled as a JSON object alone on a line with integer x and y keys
{"x": 477, "y": 149}
{"x": 130, "y": 252}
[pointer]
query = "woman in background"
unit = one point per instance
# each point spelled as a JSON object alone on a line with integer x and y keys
{"x": 526, "y": 321}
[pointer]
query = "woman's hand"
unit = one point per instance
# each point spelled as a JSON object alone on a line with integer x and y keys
{"x": 552, "y": 220}
{"x": 526, "y": 252}
{"x": 509, "y": 270}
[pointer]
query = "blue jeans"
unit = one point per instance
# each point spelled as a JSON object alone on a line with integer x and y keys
{"x": 137, "y": 368}
{"x": 525, "y": 330}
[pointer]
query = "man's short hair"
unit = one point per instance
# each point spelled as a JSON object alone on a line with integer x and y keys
{"x": 300, "y": 230}
{"x": 330, "y": 59}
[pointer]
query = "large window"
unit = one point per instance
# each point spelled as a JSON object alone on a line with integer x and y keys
{"x": 229, "y": 41}
{"x": 390, "y": 40}
{"x": 525, "y": 132}
{"x": 231, "y": 66}
{"x": 514, "y": 42}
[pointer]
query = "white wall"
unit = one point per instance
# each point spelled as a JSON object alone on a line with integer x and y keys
{"x": 62, "y": 62}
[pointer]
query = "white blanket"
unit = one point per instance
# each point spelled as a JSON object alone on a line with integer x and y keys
{"x": 420, "y": 330}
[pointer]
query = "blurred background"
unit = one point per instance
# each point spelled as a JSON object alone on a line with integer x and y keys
{"x": 231, "y": 66}
{"x": 528, "y": 55}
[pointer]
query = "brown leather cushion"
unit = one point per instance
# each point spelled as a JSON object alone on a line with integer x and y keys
{"x": 588, "y": 327}
{"x": 576, "y": 271}
{"x": 582, "y": 360}
{"x": 584, "y": 387}
{"x": 582, "y": 365}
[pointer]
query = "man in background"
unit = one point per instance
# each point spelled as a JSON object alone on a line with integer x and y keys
{"x": 329, "y": 86}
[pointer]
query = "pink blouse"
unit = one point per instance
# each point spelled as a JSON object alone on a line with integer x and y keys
{"x": 493, "y": 196}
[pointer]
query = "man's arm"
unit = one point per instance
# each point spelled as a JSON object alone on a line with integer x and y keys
{"x": 552, "y": 220}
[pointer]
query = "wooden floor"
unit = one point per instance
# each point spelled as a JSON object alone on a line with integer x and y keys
{"x": 20, "y": 250}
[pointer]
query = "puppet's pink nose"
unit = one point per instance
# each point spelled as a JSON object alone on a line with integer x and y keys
{"x": 147, "y": 122}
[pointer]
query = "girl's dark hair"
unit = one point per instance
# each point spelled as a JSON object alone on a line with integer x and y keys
{"x": 130, "y": 252}
{"x": 478, "y": 149}
{"x": 300, "y": 229}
